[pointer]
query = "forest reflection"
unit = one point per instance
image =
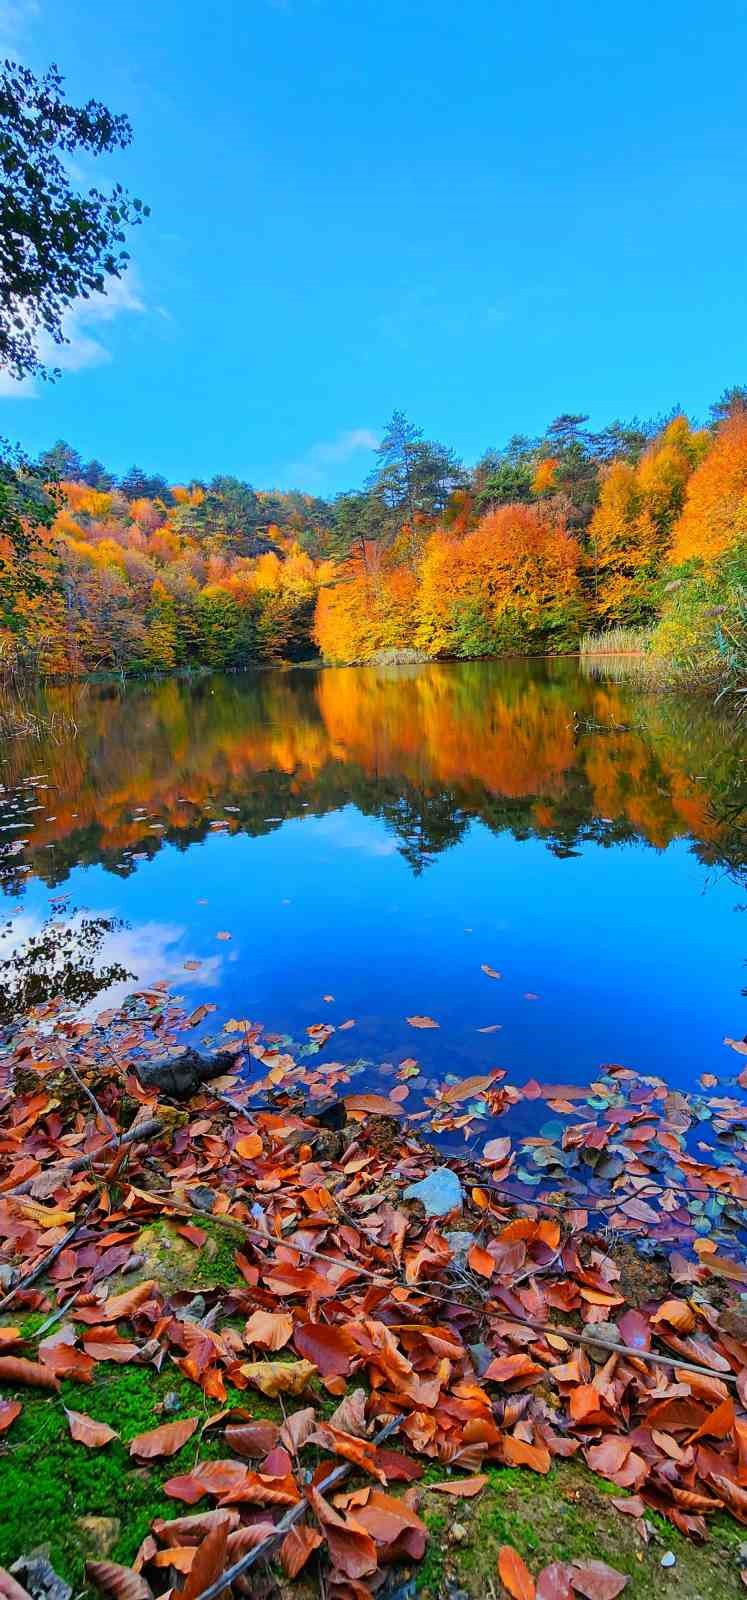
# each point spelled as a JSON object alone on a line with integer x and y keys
{"x": 532, "y": 747}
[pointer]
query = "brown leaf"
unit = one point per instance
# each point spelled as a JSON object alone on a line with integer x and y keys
{"x": 85, "y": 1430}
{"x": 163, "y": 1441}
{"x": 422, "y": 1022}
{"x": 119, "y": 1583}
{"x": 467, "y": 1088}
{"x": 208, "y": 1564}
{"x": 252, "y": 1439}
{"x": 297, "y": 1427}
{"x": 9, "y": 1410}
{"x": 596, "y": 1580}
{"x": 377, "y": 1105}
{"x": 271, "y": 1330}
{"x": 190, "y": 1530}
{"x": 517, "y": 1453}
{"x": 299, "y": 1543}
{"x": 16, "y": 1369}
{"x": 461, "y": 1487}
{"x": 351, "y": 1547}
{"x": 514, "y": 1574}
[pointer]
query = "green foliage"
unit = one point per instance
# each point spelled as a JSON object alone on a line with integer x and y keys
{"x": 55, "y": 243}
{"x": 702, "y": 635}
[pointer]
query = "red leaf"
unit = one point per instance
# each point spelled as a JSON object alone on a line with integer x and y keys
{"x": 208, "y": 1564}
{"x": 554, "y": 1582}
{"x": 596, "y": 1581}
{"x": 330, "y": 1348}
{"x": 481, "y": 1261}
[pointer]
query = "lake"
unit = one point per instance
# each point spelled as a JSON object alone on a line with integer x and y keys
{"x": 381, "y": 836}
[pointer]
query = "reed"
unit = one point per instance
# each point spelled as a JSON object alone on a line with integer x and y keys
{"x": 617, "y": 642}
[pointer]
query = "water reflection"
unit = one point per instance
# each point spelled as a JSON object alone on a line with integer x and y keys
{"x": 533, "y": 748}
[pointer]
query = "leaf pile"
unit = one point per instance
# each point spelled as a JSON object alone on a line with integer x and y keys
{"x": 354, "y": 1309}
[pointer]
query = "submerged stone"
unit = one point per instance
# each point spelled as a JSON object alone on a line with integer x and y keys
{"x": 439, "y": 1193}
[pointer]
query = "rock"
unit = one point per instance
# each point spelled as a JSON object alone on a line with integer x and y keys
{"x": 39, "y": 1579}
{"x": 171, "y": 1403}
{"x": 181, "y": 1073}
{"x": 439, "y": 1193}
{"x": 460, "y": 1245}
{"x": 202, "y": 1198}
{"x": 669, "y": 1560}
{"x": 195, "y": 1310}
{"x": 482, "y": 1356}
{"x": 98, "y": 1535}
{"x": 458, "y": 1532}
{"x": 605, "y": 1333}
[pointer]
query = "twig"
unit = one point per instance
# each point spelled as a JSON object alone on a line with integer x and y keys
{"x": 139, "y": 1130}
{"x": 292, "y": 1516}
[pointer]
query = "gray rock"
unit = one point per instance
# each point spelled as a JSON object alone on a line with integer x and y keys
{"x": 460, "y": 1245}
{"x": 39, "y": 1578}
{"x": 439, "y": 1193}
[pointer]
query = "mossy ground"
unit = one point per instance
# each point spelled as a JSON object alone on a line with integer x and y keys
{"x": 564, "y": 1516}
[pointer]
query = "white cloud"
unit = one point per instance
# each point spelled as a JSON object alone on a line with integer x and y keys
{"x": 151, "y": 951}
{"x": 82, "y": 348}
{"x": 310, "y": 470}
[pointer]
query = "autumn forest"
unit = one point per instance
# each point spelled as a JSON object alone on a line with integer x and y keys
{"x": 639, "y": 527}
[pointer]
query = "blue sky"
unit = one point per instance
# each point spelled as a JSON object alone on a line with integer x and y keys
{"x": 482, "y": 214}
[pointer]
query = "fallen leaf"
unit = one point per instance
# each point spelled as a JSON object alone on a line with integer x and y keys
{"x": 299, "y": 1543}
{"x": 9, "y": 1410}
{"x": 163, "y": 1441}
{"x": 279, "y": 1377}
{"x": 514, "y": 1574}
{"x": 460, "y": 1487}
{"x": 249, "y": 1147}
{"x": 85, "y": 1430}
{"x": 481, "y": 1261}
{"x": 490, "y": 972}
{"x": 596, "y": 1581}
{"x": 422, "y": 1022}
{"x": 16, "y": 1369}
{"x": 119, "y": 1583}
{"x": 271, "y": 1330}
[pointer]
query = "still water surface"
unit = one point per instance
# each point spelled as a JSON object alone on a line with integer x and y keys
{"x": 379, "y": 835}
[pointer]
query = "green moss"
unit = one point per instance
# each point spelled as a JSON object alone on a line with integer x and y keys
{"x": 564, "y": 1516}
{"x": 47, "y": 1480}
{"x": 177, "y": 1264}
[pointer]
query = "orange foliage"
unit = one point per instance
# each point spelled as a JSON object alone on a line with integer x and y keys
{"x": 715, "y": 513}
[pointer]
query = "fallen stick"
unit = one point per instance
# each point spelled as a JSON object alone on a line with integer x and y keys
{"x": 294, "y": 1515}
{"x": 139, "y": 1130}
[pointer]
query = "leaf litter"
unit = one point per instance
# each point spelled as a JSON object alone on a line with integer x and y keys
{"x": 525, "y": 1348}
